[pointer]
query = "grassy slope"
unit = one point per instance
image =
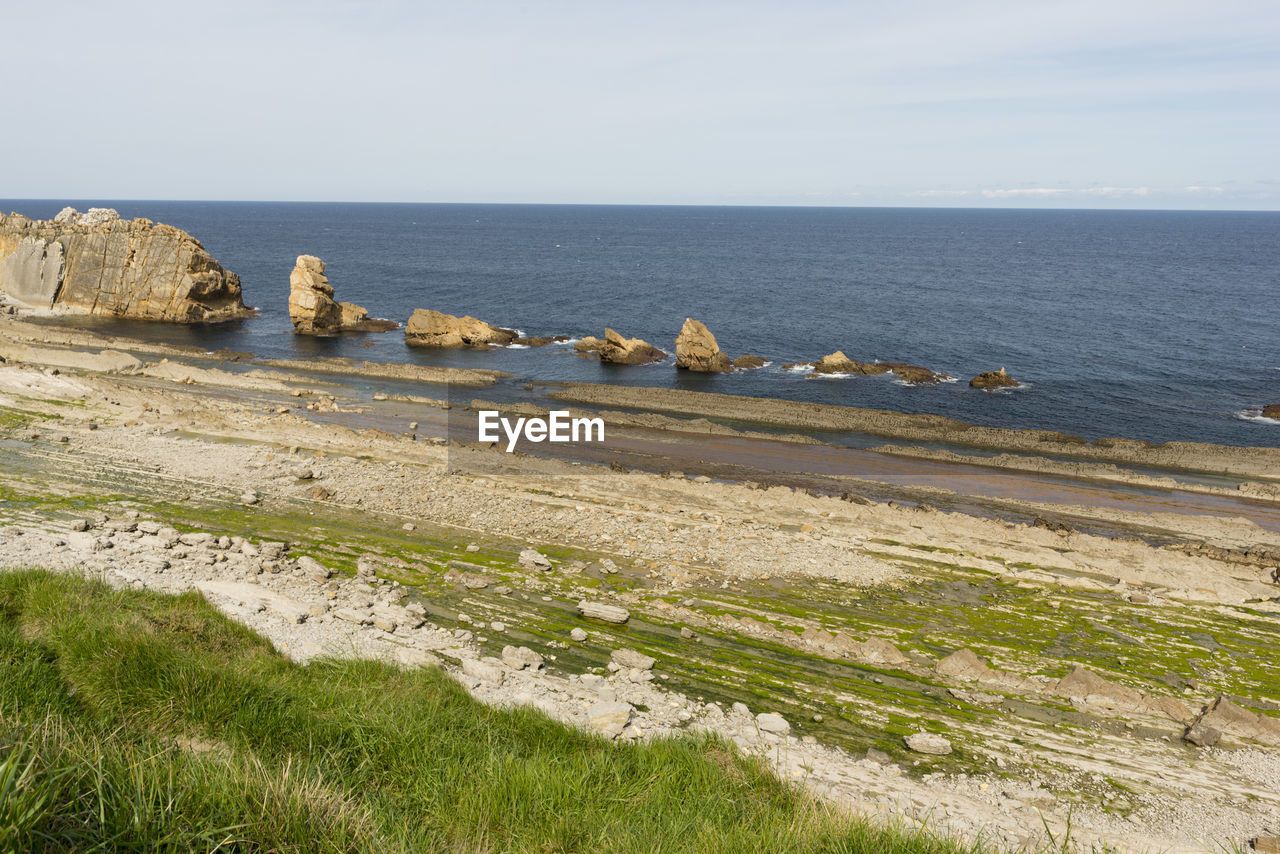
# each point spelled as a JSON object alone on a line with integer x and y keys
{"x": 134, "y": 721}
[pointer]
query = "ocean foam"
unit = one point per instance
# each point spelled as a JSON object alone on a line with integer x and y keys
{"x": 1256, "y": 415}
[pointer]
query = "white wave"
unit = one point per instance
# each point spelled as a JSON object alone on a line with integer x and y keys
{"x": 798, "y": 369}
{"x": 1256, "y": 415}
{"x": 516, "y": 346}
{"x": 832, "y": 376}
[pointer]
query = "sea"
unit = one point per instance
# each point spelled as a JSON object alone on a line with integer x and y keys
{"x": 1150, "y": 325}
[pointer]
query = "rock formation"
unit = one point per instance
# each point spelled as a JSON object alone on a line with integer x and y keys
{"x": 427, "y": 328}
{"x": 313, "y": 310}
{"x": 97, "y": 263}
{"x": 588, "y": 344}
{"x": 618, "y": 350}
{"x": 989, "y": 380}
{"x": 839, "y": 363}
{"x": 697, "y": 350}
{"x": 1271, "y": 410}
{"x": 541, "y": 340}
{"x": 746, "y": 363}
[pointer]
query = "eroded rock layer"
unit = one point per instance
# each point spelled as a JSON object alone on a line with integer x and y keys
{"x": 100, "y": 264}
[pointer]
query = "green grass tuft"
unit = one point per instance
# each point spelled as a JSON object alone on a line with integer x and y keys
{"x": 134, "y": 721}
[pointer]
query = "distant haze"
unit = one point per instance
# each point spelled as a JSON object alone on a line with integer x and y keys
{"x": 1094, "y": 103}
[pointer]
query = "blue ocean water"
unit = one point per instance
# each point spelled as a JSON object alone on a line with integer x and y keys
{"x": 1154, "y": 325}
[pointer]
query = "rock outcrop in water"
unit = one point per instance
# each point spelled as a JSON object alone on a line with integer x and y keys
{"x": 990, "y": 380}
{"x": 747, "y": 363}
{"x": 1271, "y": 410}
{"x": 618, "y": 350}
{"x": 313, "y": 309}
{"x": 427, "y": 328}
{"x": 697, "y": 350}
{"x": 839, "y": 363}
{"x": 96, "y": 263}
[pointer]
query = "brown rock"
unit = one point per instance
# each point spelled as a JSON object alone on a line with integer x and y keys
{"x": 697, "y": 350}
{"x": 628, "y": 351}
{"x": 746, "y": 363}
{"x": 589, "y": 344}
{"x": 99, "y": 264}
{"x": 313, "y": 309}
{"x": 541, "y": 340}
{"x": 914, "y": 374}
{"x": 1230, "y": 719}
{"x": 1271, "y": 410}
{"x": 993, "y": 379}
{"x": 427, "y": 328}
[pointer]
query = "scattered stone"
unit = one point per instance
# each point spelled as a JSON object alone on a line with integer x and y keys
{"x": 928, "y": 742}
{"x": 629, "y": 658}
{"x": 520, "y": 657}
{"x": 1201, "y": 735}
{"x": 578, "y": 635}
{"x": 609, "y": 718}
{"x": 80, "y": 525}
{"x": 314, "y": 569}
{"x": 534, "y": 559}
{"x": 485, "y": 670}
{"x": 774, "y": 723}
{"x": 603, "y": 612}
{"x": 879, "y": 757}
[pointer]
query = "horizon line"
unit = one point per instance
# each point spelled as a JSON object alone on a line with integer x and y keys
{"x": 779, "y": 205}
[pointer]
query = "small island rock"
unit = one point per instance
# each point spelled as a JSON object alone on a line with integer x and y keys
{"x": 313, "y": 310}
{"x": 697, "y": 350}
{"x": 989, "y": 380}
{"x": 1271, "y": 410}
{"x": 427, "y": 328}
{"x": 618, "y": 350}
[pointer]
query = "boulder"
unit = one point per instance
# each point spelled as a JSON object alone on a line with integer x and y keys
{"x": 774, "y": 723}
{"x": 534, "y": 559}
{"x": 927, "y": 742}
{"x": 629, "y": 658}
{"x": 609, "y": 718}
{"x": 989, "y": 380}
{"x": 618, "y": 350}
{"x": 427, "y": 328}
{"x": 603, "y": 612}
{"x": 520, "y": 657}
{"x": 313, "y": 309}
{"x": 697, "y": 350}
{"x": 589, "y": 344}
{"x": 1231, "y": 719}
{"x": 1271, "y": 410}
{"x": 541, "y": 340}
{"x": 747, "y": 363}
{"x": 99, "y": 264}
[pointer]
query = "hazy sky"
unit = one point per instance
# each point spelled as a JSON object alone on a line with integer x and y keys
{"x": 1162, "y": 104}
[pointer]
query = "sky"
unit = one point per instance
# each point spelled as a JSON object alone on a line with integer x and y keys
{"x": 1112, "y": 104}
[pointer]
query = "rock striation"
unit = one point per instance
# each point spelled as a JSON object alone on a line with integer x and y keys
{"x": 313, "y": 309}
{"x": 991, "y": 380}
{"x": 427, "y": 328}
{"x": 697, "y": 350}
{"x": 97, "y": 263}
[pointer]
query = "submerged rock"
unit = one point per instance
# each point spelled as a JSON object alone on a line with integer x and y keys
{"x": 989, "y": 380}
{"x": 747, "y": 363}
{"x": 618, "y": 350}
{"x": 97, "y": 263}
{"x": 1271, "y": 410}
{"x": 313, "y": 309}
{"x": 839, "y": 363}
{"x": 697, "y": 350}
{"x": 427, "y": 328}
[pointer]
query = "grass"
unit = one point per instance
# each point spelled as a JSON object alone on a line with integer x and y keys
{"x": 135, "y": 721}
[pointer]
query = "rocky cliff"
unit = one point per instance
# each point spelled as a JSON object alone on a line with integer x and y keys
{"x": 97, "y": 263}
{"x": 313, "y": 309}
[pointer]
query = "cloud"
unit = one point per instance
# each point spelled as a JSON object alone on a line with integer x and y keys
{"x": 1051, "y": 192}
